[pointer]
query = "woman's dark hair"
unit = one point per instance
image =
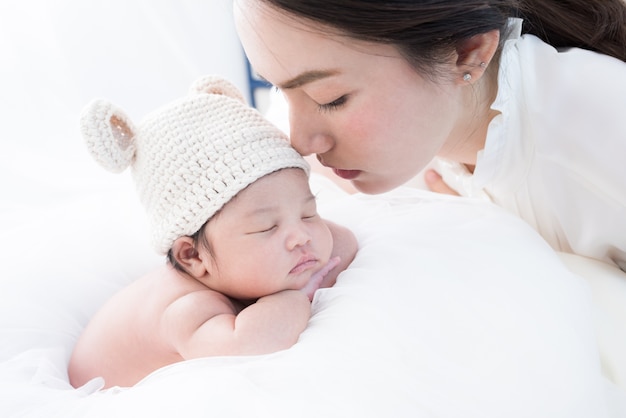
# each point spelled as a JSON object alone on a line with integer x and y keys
{"x": 597, "y": 25}
{"x": 428, "y": 31}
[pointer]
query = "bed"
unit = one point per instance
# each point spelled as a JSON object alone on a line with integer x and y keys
{"x": 452, "y": 308}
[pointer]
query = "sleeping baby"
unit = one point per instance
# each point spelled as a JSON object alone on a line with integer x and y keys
{"x": 229, "y": 203}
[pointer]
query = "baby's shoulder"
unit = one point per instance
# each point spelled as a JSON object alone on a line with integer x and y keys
{"x": 193, "y": 301}
{"x": 167, "y": 293}
{"x": 189, "y": 311}
{"x": 203, "y": 299}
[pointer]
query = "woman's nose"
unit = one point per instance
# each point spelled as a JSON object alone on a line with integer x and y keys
{"x": 308, "y": 135}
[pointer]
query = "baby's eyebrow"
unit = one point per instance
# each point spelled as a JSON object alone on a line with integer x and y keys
{"x": 310, "y": 198}
{"x": 260, "y": 210}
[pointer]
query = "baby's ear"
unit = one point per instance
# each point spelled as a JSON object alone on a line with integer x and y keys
{"x": 188, "y": 257}
{"x": 212, "y": 84}
{"x": 109, "y": 134}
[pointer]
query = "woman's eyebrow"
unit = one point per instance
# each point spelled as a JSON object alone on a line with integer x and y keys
{"x": 306, "y": 77}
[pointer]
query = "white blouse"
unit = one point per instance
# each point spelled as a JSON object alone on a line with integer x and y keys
{"x": 556, "y": 154}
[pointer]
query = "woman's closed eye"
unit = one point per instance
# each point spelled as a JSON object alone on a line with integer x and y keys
{"x": 334, "y": 105}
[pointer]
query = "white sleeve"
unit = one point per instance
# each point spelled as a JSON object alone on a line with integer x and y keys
{"x": 582, "y": 156}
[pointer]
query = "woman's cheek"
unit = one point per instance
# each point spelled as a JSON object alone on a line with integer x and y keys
{"x": 360, "y": 124}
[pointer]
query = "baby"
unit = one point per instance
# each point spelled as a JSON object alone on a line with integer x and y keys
{"x": 229, "y": 202}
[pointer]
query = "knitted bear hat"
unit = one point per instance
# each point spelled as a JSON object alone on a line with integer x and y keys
{"x": 190, "y": 157}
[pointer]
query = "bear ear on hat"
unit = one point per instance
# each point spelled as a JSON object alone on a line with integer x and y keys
{"x": 213, "y": 84}
{"x": 109, "y": 135}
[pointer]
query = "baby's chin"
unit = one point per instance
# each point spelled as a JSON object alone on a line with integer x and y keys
{"x": 301, "y": 281}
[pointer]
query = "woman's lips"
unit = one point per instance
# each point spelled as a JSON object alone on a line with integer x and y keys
{"x": 346, "y": 174}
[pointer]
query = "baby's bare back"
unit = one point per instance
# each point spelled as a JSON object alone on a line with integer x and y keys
{"x": 126, "y": 339}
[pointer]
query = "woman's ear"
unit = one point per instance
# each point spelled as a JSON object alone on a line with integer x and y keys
{"x": 474, "y": 54}
{"x": 189, "y": 258}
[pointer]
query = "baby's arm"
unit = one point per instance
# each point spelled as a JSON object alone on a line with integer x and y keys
{"x": 205, "y": 323}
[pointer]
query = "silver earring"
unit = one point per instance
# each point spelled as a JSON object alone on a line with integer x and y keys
{"x": 483, "y": 65}
{"x": 467, "y": 77}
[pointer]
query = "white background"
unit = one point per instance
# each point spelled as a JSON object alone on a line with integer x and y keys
{"x": 56, "y": 56}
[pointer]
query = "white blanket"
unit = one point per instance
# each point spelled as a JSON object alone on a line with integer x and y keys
{"x": 452, "y": 308}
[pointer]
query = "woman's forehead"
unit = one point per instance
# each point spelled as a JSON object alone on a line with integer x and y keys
{"x": 273, "y": 39}
{"x": 281, "y": 47}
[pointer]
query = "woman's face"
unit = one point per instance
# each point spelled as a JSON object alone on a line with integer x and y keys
{"x": 359, "y": 106}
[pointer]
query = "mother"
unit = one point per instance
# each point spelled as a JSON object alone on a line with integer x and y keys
{"x": 376, "y": 89}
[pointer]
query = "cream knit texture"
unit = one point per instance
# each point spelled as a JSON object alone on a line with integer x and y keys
{"x": 190, "y": 157}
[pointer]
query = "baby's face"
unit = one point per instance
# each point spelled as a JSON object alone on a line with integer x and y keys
{"x": 268, "y": 238}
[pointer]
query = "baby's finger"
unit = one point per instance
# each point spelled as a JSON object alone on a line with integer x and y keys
{"x": 332, "y": 263}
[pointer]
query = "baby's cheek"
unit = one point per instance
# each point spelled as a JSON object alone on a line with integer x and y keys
{"x": 329, "y": 244}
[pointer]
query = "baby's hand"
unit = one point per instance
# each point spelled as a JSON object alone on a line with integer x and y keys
{"x": 317, "y": 277}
